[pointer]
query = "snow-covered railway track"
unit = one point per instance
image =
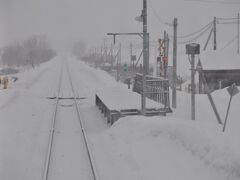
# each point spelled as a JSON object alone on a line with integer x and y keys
{"x": 69, "y": 155}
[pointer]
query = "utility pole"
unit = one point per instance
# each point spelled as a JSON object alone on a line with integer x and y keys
{"x": 145, "y": 56}
{"x": 174, "y": 91}
{"x": 165, "y": 65}
{"x": 131, "y": 61}
{"x": 238, "y": 34}
{"x": 105, "y": 51}
{"x": 165, "y": 55}
{"x": 119, "y": 62}
{"x": 145, "y": 52}
{"x": 111, "y": 55}
{"x": 215, "y": 33}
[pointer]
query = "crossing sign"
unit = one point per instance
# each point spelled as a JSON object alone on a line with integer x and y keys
{"x": 165, "y": 60}
{"x": 161, "y": 47}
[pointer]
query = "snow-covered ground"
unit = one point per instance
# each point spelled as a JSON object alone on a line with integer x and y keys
{"x": 175, "y": 147}
{"x": 136, "y": 147}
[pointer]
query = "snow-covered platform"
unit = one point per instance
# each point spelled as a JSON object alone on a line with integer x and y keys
{"x": 118, "y": 102}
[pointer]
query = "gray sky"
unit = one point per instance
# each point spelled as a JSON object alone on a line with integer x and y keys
{"x": 65, "y": 21}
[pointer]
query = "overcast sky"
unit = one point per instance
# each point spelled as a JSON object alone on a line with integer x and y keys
{"x": 65, "y": 21}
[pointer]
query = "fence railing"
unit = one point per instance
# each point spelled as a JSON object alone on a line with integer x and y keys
{"x": 157, "y": 89}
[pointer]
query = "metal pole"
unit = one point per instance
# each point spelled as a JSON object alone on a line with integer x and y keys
{"x": 215, "y": 33}
{"x": 238, "y": 35}
{"x": 193, "y": 86}
{"x": 145, "y": 56}
{"x": 174, "y": 91}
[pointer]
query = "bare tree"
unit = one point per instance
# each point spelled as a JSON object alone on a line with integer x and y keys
{"x": 34, "y": 50}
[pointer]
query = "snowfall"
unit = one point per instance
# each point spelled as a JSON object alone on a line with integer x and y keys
{"x": 134, "y": 148}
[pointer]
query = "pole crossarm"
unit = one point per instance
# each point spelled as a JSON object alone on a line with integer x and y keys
{"x": 115, "y": 34}
{"x": 124, "y": 34}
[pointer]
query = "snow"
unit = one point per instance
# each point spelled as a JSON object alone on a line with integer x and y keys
{"x": 166, "y": 148}
{"x": 135, "y": 147}
{"x": 118, "y": 99}
{"x": 24, "y": 123}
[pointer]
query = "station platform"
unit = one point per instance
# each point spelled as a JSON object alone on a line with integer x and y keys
{"x": 119, "y": 102}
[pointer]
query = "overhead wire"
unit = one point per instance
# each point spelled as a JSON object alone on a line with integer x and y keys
{"x": 171, "y": 25}
{"x": 158, "y": 18}
{"x": 227, "y": 23}
{"x": 226, "y": 18}
{"x": 229, "y": 43}
{"x": 196, "y": 32}
{"x": 216, "y": 2}
{"x": 196, "y": 37}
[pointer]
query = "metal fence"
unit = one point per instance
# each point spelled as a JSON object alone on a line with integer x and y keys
{"x": 157, "y": 89}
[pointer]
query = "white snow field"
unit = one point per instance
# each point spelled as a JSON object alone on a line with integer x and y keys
{"x": 134, "y": 148}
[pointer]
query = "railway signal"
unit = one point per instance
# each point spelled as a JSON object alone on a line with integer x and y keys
{"x": 125, "y": 67}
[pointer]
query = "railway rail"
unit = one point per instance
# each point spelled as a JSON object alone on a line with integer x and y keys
{"x": 74, "y": 99}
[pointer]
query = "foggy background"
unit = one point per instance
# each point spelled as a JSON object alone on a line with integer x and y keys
{"x": 65, "y": 21}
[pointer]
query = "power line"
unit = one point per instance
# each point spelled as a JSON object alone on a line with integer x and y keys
{"x": 198, "y": 31}
{"x": 158, "y": 18}
{"x": 170, "y": 25}
{"x": 197, "y": 37}
{"x": 227, "y": 22}
{"x": 226, "y": 18}
{"x": 229, "y": 43}
{"x": 216, "y": 2}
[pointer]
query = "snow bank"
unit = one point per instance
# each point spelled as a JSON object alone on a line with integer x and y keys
{"x": 119, "y": 98}
{"x": 168, "y": 148}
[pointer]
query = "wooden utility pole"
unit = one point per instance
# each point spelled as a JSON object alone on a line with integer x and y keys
{"x": 119, "y": 62}
{"x": 144, "y": 53}
{"x": 238, "y": 34}
{"x": 165, "y": 65}
{"x": 174, "y": 73}
{"x": 145, "y": 56}
{"x": 214, "y": 33}
{"x": 111, "y": 55}
{"x": 165, "y": 57}
{"x": 131, "y": 62}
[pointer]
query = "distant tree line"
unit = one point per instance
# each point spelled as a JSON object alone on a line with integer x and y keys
{"x": 32, "y": 51}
